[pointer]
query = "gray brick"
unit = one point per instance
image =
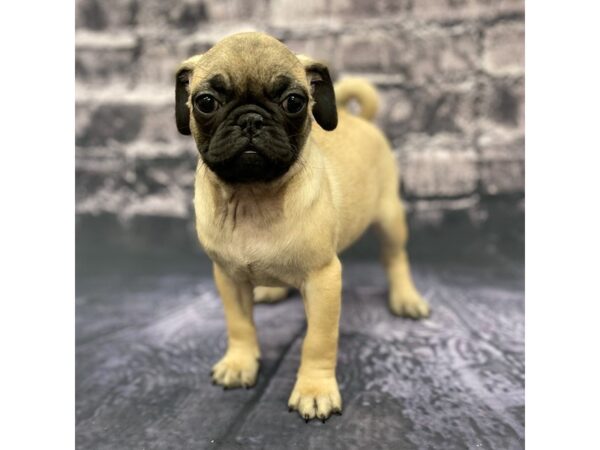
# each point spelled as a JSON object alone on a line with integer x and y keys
{"x": 159, "y": 60}
{"x": 502, "y": 162}
{"x": 321, "y": 47}
{"x": 365, "y": 52}
{"x": 125, "y": 116}
{"x": 98, "y": 15}
{"x": 106, "y": 122}
{"x": 432, "y": 213}
{"x": 504, "y": 49}
{"x": 502, "y": 102}
{"x": 135, "y": 179}
{"x": 284, "y": 12}
{"x": 369, "y": 8}
{"x": 236, "y": 10}
{"x": 101, "y": 58}
{"x": 440, "y": 166}
{"x": 433, "y": 53}
{"x": 174, "y": 15}
{"x": 126, "y": 204}
{"x": 457, "y": 10}
{"x": 421, "y": 53}
{"x": 430, "y": 109}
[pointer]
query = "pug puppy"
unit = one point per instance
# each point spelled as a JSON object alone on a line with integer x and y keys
{"x": 286, "y": 180}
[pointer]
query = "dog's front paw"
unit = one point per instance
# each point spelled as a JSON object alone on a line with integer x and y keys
{"x": 315, "y": 396}
{"x": 409, "y": 303}
{"x": 238, "y": 368}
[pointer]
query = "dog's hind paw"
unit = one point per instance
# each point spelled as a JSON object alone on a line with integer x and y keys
{"x": 236, "y": 369}
{"x": 409, "y": 304}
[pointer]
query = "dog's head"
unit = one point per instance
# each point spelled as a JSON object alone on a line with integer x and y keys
{"x": 248, "y": 102}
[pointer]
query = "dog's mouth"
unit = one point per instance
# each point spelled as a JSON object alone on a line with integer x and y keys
{"x": 249, "y": 154}
{"x": 249, "y": 151}
{"x": 249, "y": 164}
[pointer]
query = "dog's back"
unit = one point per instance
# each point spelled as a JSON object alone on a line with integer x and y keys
{"x": 363, "y": 167}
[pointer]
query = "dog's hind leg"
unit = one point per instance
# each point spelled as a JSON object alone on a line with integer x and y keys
{"x": 404, "y": 298}
{"x": 264, "y": 294}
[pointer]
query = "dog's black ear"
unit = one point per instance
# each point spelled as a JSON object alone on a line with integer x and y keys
{"x": 182, "y": 94}
{"x": 321, "y": 88}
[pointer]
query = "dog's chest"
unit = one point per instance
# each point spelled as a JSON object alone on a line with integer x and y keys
{"x": 252, "y": 244}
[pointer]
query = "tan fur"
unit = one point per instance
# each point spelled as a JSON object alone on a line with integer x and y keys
{"x": 288, "y": 233}
{"x": 360, "y": 90}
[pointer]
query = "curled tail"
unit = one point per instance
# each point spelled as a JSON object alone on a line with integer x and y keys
{"x": 360, "y": 90}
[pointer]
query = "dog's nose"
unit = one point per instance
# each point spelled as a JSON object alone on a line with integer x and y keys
{"x": 251, "y": 123}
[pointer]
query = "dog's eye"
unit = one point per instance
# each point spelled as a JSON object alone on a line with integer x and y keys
{"x": 293, "y": 104}
{"x": 206, "y": 104}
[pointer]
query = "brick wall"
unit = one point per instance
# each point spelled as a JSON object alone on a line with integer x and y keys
{"x": 450, "y": 73}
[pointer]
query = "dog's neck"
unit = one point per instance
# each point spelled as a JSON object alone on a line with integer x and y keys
{"x": 268, "y": 201}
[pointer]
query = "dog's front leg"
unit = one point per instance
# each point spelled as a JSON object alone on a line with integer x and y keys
{"x": 316, "y": 391}
{"x": 239, "y": 365}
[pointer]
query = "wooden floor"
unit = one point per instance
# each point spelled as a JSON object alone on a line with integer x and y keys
{"x": 146, "y": 343}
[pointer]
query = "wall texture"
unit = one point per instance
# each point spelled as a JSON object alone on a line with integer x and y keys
{"x": 450, "y": 72}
